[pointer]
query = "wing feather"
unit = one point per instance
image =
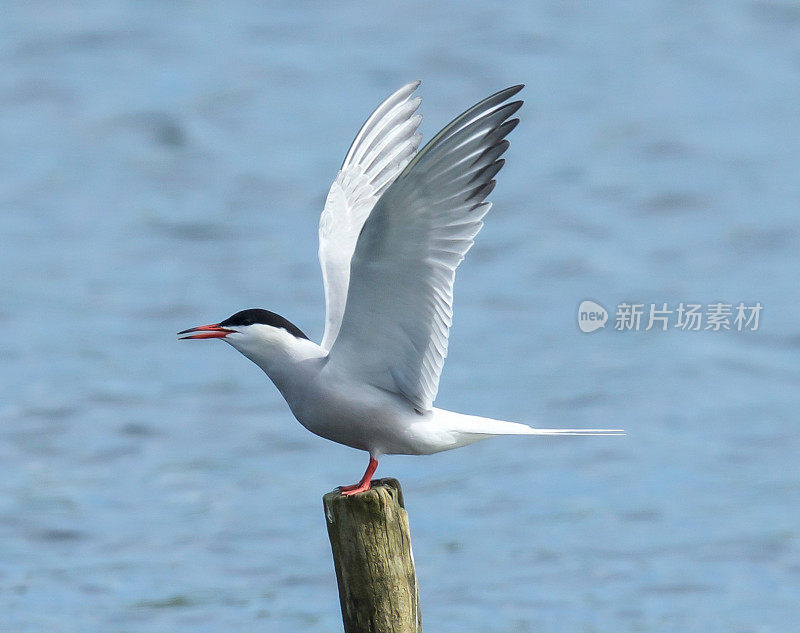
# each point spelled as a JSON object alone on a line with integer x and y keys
{"x": 386, "y": 143}
{"x": 399, "y": 309}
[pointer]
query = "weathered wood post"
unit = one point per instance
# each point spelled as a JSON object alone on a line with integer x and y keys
{"x": 372, "y": 556}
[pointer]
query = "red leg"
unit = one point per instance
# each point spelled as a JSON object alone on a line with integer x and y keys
{"x": 362, "y": 485}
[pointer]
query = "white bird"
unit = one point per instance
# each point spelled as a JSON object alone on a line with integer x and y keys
{"x": 396, "y": 225}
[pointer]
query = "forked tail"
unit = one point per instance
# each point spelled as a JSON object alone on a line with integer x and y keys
{"x": 475, "y": 425}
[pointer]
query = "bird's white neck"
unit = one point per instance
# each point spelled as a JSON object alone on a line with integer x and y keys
{"x": 289, "y": 361}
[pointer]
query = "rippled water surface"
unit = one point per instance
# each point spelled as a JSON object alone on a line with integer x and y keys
{"x": 164, "y": 165}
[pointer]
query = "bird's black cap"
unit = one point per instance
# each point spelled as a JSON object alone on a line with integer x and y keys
{"x": 257, "y": 315}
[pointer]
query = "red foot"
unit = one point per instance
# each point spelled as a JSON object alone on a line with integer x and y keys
{"x": 362, "y": 485}
{"x": 349, "y": 491}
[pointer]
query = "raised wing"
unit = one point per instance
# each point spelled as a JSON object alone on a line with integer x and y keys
{"x": 400, "y": 301}
{"x": 381, "y": 150}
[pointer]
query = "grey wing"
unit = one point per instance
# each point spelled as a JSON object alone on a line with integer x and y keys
{"x": 399, "y": 309}
{"x": 383, "y": 147}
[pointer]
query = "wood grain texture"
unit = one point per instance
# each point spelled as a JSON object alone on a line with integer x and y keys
{"x": 371, "y": 546}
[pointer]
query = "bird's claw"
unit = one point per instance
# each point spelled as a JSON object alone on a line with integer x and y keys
{"x": 354, "y": 489}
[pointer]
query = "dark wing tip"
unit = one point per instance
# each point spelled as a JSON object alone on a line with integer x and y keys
{"x": 488, "y": 172}
{"x": 481, "y": 192}
{"x": 510, "y": 91}
{"x": 496, "y": 99}
{"x": 513, "y": 106}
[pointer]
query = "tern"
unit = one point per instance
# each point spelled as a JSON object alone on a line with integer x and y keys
{"x": 396, "y": 224}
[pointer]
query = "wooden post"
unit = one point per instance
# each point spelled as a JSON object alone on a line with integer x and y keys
{"x": 372, "y": 556}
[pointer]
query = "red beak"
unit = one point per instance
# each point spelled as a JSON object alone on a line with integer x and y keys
{"x": 206, "y": 331}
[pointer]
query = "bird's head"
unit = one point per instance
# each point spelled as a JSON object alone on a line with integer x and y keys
{"x": 252, "y": 331}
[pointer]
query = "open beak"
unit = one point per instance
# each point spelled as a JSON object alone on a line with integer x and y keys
{"x": 206, "y": 331}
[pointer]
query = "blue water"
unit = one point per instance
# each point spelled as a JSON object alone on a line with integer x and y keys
{"x": 164, "y": 165}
